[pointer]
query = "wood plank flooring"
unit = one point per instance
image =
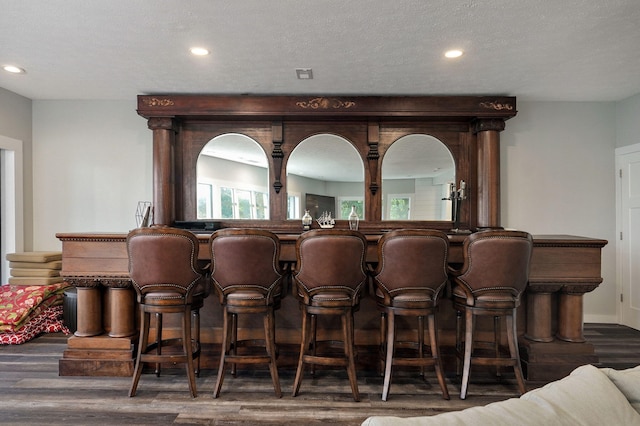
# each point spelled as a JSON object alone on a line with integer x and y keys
{"x": 32, "y": 393}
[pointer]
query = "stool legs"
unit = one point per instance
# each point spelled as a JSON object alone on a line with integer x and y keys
{"x": 347, "y": 329}
{"x": 270, "y": 338}
{"x": 304, "y": 344}
{"x": 158, "y": 341}
{"x": 390, "y": 343}
{"x": 497, "y": 361}
{"x": 145, "y": 319}
{"x": 226, "y": 344}
{"x": 153, "y": 353}
{"x": 390, "y": 324}
{"x": 229, "y": 353}
{"x": 435, "y": 352}
{"x": 308, "y": 343}
{"x": 187, "y": 346}
{"x": 512, "y": 334}
{"x": 468, "y": 347}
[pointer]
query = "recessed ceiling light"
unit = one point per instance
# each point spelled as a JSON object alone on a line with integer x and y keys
{"x": 199, "y": 51}
{"x": 304, "y": 73}
{"x": 453, "y": 53}
{"x": 13, "y": 69}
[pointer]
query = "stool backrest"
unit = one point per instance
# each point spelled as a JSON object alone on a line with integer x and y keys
{"x": 497, "y": 260}
{"x": 412, "y": 259}
{"x": 331, "y": 259}
{"x": 246, "y": 259}
{"x": 163, "y": 259}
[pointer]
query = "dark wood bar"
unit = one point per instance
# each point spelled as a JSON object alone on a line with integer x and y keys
{"x": 552, "y": 342}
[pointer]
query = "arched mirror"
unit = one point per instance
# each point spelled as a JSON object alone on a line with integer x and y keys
{"x": 417, "y": 173}
{"x": 325, "y": 173}
{"x": 233, "y": 179}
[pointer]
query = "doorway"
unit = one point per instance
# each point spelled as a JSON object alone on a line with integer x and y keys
{"x": 628, "y": 242}
{"x": 11, "y": 202}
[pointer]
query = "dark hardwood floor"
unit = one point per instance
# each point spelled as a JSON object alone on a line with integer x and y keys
{"x": 32, "y": 393}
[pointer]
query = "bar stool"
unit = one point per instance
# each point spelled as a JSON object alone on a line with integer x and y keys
{"x": 163, "y": 266}
{"x": 330, "y": 276}
{"x": 247, "y": 278}
{"x": 494, "y": 275}
{"x": 409, "y": 280}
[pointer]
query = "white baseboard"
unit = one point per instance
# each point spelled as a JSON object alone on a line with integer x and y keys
{"x": 603, "y": 319}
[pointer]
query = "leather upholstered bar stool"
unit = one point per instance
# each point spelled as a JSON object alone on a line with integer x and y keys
{"x": 247, "y": 278}
{"x": 409, "y": 280}
{"x": 330, "y": 276}
{"x": 163, "y": 266}
{"x": 492, "y": 279}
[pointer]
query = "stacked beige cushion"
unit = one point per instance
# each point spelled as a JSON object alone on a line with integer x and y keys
{"x": 35, "y": 267}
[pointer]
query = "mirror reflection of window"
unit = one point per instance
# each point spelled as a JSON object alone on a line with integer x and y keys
{"x": 327, "y": 166}
{"x": 346, "y": 203}
{"x": 233, "y": 179}
{"x": 293, "y": 206}
{"x": 416, "y": 171}
{"x": 399, "y": 207}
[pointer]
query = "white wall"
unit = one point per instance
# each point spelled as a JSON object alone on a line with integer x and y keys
{"x": 628, "y": 121}
{"x": 92, "y": 163}
{"x": 558, "y": 177}
{"x": 15, "y": 127}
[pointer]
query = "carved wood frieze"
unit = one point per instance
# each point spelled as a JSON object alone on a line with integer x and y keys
{"x": 497, "y": 106}
{"x": 120, "y": 281}
{"x": 325, "y": 103}
{"x": 158, "y": 102}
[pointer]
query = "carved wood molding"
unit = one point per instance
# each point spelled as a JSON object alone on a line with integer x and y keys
{"x": 119, "y": 281}
{"x": 373, "y": 135}
{"x": 496, "y": 105}
{"x": 488, "y": 124}
{"x": 325, "y": 103}
{"x": 161, "y": 123}
{"x": 158, "y": 102}
{"x": 278, "y": 155}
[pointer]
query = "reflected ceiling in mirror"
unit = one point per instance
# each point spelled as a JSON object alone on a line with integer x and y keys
{"x": 328, "y": 167}
{"x": 233, "y": 179}
{"x": 326, "y": 157}
{"x": 417, "y": 170}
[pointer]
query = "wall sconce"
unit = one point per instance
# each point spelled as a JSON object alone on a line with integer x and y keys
{"x": 306, "y": 220}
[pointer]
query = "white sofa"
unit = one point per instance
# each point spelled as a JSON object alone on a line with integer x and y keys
{"x": 588, "y": 396}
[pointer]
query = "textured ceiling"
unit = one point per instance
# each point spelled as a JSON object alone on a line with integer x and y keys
{"x": 567, "y": 50}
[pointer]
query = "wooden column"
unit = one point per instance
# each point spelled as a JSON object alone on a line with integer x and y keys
{"x": 570, "y": 311}
{"x": 488, "y": 137}
{"x": 163, "y": 169}
{"x": 122, "y": 311}
{"x": 89, "y": 314}
{"x": 540, "y": 311}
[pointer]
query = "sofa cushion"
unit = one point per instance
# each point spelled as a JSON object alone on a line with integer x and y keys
{"x": 585, "y": 397}
{"x": 510, "y": 412}
{"x": 628, "y": 381}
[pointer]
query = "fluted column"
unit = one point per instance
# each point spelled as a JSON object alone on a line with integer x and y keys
{"x": 488, "y": 138}
{"x": 163, "y": 170}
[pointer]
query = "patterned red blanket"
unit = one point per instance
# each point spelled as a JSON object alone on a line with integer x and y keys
{"x": 26, "y": 311}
